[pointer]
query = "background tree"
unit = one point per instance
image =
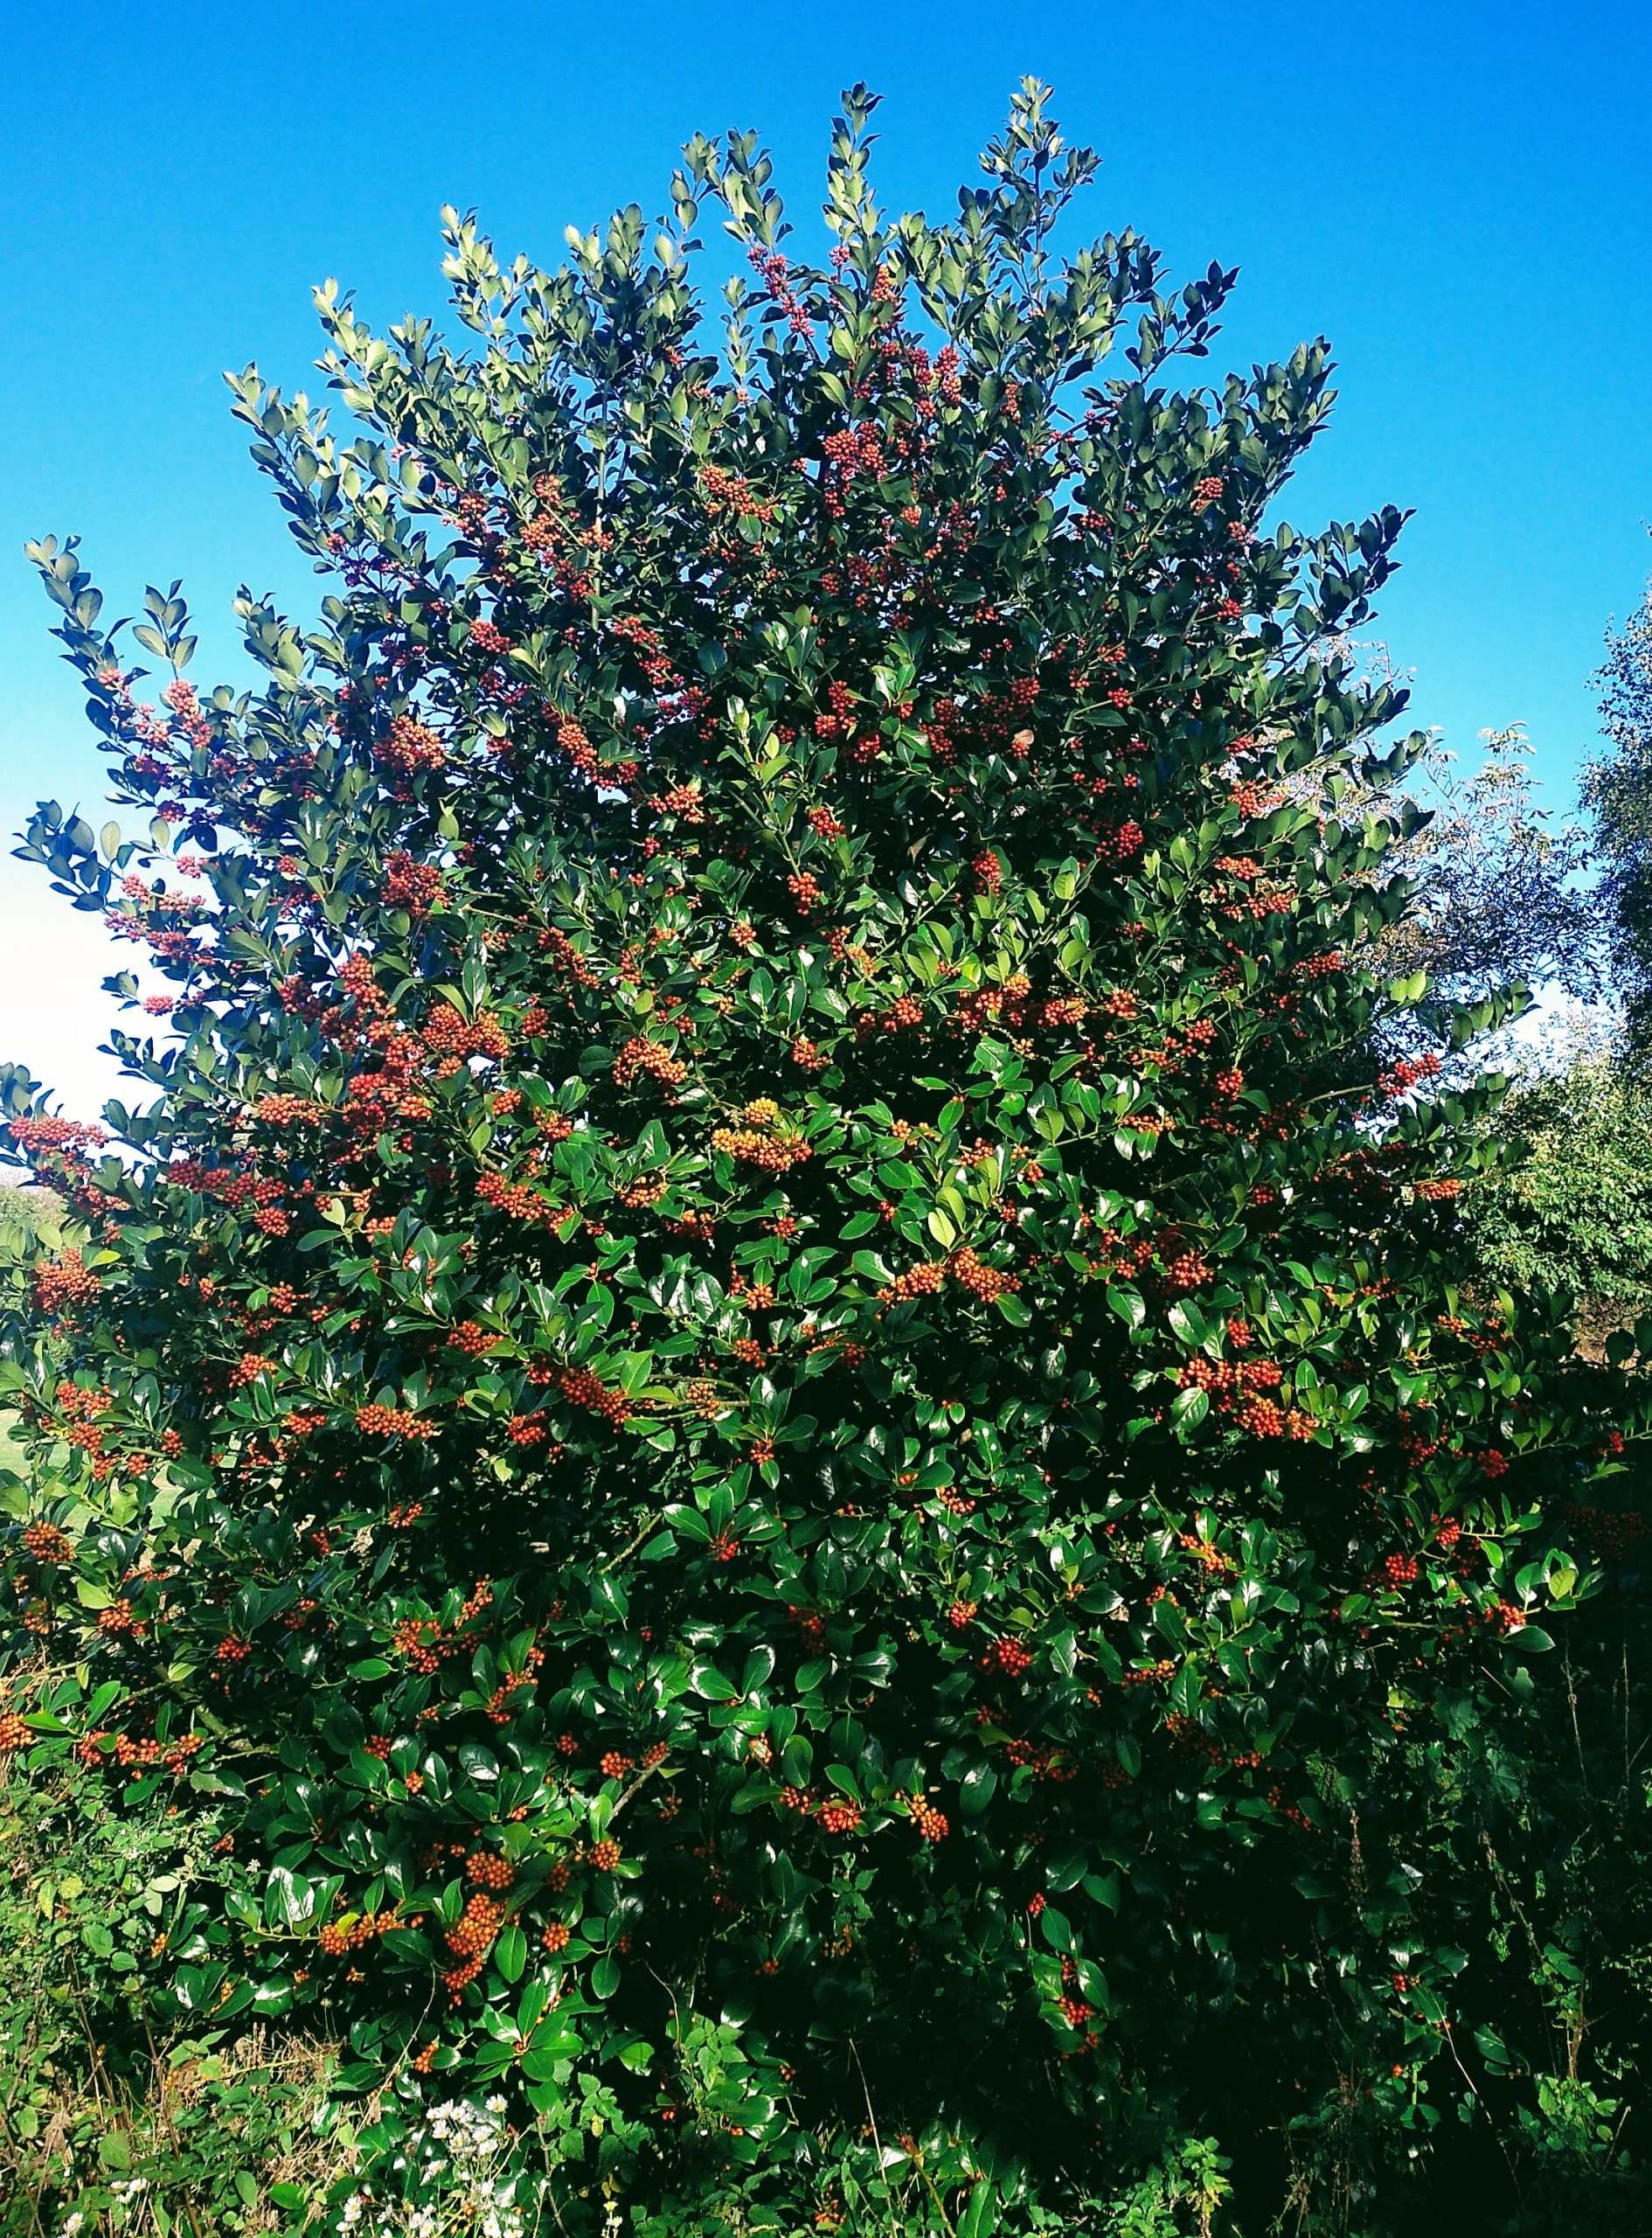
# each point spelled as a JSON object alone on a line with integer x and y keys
{"x": 773, "y": 1401}
{"x": 1496, "y": 898}
{"x": 1618, "y": 789}
{"x": 29, "y": 1219}
{"x": 1570, "y": 1209}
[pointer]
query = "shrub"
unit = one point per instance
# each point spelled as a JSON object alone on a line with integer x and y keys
{"x": 773, "y": 1400}
{"x": 103, "y": 2113}
{"x": 1571, "y": 1211}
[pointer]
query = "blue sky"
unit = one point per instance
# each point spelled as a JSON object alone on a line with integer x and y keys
{"x": 1457, "y": 194}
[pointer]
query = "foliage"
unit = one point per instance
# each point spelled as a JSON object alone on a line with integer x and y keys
{"x": 1618, "y": 788}
{"x": 1562, "y": 1822}
{"x": 28, "y": 1217}
{"x": 1495, "y": 902}
{"x": 1571, "y": 1211}
{"x": 772, "y": 1403}
{"x": 98, "y": 2116}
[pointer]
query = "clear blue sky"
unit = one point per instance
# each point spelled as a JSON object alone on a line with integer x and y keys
{"x": 1459, "y": 196}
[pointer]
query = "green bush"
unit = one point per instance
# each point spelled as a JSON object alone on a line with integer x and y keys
{"x": 101, "y": 2115}
{"x": 775, "y": 1403}
{"x": 1571, "y": 1210}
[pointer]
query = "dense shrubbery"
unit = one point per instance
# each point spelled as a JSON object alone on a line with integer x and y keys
{"x": 1570, "y": 1210}
{"x": 778, "y": 1411}
{"x": 109, "y": 2104}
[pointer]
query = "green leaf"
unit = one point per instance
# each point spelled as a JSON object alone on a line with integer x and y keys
{"x": 979, "y": 2217}
{"x": 977, "y": 1789}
